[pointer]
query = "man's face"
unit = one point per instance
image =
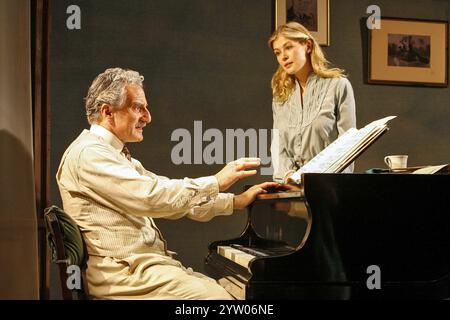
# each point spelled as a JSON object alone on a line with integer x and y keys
{"x": 129, "y": 122}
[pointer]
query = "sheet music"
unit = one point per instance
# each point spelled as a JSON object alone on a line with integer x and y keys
{"x": 342, "y": 150}
{"x": 328, "y": 156}
{"x": 347, "y": 157}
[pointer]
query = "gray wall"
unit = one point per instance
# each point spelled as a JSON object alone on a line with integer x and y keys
{"x": 422, "y": 128}
{"x": 208, "y": 60}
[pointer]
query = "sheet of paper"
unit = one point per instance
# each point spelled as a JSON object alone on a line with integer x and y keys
{"x": 431, "y": 169}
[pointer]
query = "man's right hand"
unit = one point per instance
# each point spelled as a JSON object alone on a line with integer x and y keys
{"x": 242, "y": 200}
{"x": 235, "y": 171}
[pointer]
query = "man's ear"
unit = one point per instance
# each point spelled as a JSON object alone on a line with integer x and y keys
{"x": 106, "y": 111}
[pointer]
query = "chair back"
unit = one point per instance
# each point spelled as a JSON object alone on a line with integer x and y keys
{"x": 68, "y": 252}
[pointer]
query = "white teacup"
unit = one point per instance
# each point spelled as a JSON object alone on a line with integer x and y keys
{"x": 396, "y": 161}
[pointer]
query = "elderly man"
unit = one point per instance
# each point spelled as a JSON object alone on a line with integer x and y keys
{"x": 114, "y": 199}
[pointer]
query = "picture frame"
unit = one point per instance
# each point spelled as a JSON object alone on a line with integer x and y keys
{"x": 409, "y": 52}
{"x": 313, "y": 14}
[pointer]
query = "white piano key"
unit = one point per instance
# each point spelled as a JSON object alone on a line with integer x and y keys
{"x": 240, "y": 257}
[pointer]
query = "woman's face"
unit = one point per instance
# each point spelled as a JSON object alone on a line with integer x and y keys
{"x": 292, "y": 55}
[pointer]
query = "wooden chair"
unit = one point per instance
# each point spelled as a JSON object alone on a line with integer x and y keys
{"x": 68, "y": 252}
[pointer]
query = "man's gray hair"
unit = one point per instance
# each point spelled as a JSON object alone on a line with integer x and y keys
{"x": 110, "y": 87}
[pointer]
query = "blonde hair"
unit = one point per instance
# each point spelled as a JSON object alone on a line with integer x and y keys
{"x": 283, "y": 83}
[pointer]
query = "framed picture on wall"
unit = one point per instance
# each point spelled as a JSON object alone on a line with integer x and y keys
{"x": 313, "y": 14}
{"x": 409, "y": 52}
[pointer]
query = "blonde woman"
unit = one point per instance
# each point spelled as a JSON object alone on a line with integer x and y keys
{"x": 313, "y": 104}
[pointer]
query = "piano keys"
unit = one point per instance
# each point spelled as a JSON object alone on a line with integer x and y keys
{"x": 324, "y": 241}
{"x": 238, "y": 255}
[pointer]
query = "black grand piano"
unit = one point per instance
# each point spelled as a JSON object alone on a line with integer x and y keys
{"x": 342, "y": 236}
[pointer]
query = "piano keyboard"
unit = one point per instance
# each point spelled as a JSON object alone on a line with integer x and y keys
{"x": 243, "y": 255}
{"x": 239, "y": 256}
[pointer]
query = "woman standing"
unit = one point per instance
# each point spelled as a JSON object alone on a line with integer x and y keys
{"x": 313, "y": 104}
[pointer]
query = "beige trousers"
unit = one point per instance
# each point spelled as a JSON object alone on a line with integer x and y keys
{"x": 149, "y": 276}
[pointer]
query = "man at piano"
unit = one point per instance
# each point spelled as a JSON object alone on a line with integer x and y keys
{"x": 114, "y": 199}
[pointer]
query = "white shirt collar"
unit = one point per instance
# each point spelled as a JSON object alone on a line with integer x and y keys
{"x": 107, "y": 136}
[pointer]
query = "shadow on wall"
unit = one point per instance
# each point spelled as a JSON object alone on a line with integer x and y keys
{"x": 18, "y": 227}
